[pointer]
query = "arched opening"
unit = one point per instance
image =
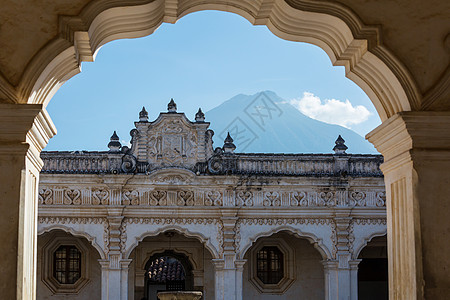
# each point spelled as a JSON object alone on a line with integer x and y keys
{"x": 283, "y": 266}
{"x": 373, "y": 270}
{"x": 170, "y": 261}
{"x": 362, "y": 68}
{"x": 168, "y": 271}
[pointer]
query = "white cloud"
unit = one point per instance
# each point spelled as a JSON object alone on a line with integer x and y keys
{"x": 331, "y": 110}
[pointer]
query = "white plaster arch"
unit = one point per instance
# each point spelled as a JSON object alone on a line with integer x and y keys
{"x": 312, "y": 238}
{"x": 357, "y": 250}
{"x": 332, "y": 27}
{"x": 183, "y": 231}
{"x": 92, "y": 240}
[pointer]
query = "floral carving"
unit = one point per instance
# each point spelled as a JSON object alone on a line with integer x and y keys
{"x": 185, "y": 198}
{"x": 299, "y": 198}
{"x": 244, "y": 198}
{"x": 327, "y": 198}
{"x": 72, "y": 197}
{"x": 45, "y": 196}
{"x": 271, "y": 199}
{"x": 213, "y": 198}
{"x": 359, "y": 198}
{"x": 381, "y": 199}
{"x": 130, "y": 198}
{"x": 285, "y": 221}
{"x": 71, "y": 220}
{"x": 373, "y": 221}
{"x": 100, "y": 197}
{"x": 158, "y": 198}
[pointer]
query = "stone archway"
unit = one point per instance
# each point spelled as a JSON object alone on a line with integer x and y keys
{"x": 194, "y": 257}
{"x": 387, "y": 83}
{"x": 411, "y": 173}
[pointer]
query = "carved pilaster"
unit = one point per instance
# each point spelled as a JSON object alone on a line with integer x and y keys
{"x": 416, "y": 150}
{"x": 24, "y": 131}
{"x": 343, "y": 243}
{"x": 115, "y": 236}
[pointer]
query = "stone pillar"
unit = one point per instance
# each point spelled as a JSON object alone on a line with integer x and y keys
{"x": 115, "y": 268}
{"x": 339, "y": 270}
{"x": 341, "y": 279}
{"x": 228, "y": 279}
{"x": 416, "y": 150}
{"x": 114, "y": 279}
{"x": 218, "y": 278}
{"x": 330, "y": 269}
{"x": 354, "y": 278}
{"x": 228, "y": 270}
{"x": 24, "y": 131}
{"x": 239, "y": 276}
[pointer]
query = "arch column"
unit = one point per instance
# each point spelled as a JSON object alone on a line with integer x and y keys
{"x": 24, "y": 131}
{"x": 115, "y": 279}
{"x": 341, "y": 279}
{"x": 416, "y": 149}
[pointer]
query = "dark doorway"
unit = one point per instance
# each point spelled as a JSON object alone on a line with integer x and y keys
{"x": 373, "y": 271}
{"x": 167, "y": 271}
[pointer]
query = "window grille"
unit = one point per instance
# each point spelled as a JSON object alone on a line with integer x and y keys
{"x": 67, "y": 264}
{"x": 269, "y": 265}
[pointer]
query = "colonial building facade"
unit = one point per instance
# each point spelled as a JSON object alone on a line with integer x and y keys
{"x": 173, "y": 213}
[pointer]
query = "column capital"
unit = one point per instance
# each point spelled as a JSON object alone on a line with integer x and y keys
{"x": 25, "y": 129}
{"x": 21, "y": 121}
{"x": 330, "y": 264}
{"x": 239, "y": 263}
{"x": 219, "y": 264}
{"x": 408, "y": 135}
{"x": 354, "y": 263}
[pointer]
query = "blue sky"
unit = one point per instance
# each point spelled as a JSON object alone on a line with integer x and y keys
{"x": 200, "y": 66}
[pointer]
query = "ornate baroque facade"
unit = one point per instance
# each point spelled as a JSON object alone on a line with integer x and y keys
{"x": 171, "y": 189}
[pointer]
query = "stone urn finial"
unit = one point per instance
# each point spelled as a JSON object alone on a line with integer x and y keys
{"x": 199, "y": 116}
{"x": 143, "y": 115}
{"x": 228, "y": 146}
{"x": 114, "y": 144}
{"x": 172, "y": 106}
{"x": 340, "y": 146}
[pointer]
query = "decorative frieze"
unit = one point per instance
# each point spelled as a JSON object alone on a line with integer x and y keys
{"x": 285, "y": 221}
{"x": 71, "y": 220}
{"x": 213, "y": 197}
{"x": 171, "y": 221}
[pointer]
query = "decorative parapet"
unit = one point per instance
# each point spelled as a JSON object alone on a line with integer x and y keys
{"x": 316, "y": 165}
{"x": 172, "y": 141}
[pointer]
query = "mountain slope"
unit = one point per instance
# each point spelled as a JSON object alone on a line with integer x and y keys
{"x": 264, "y": 122}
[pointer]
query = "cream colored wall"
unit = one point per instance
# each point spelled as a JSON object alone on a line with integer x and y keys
{"x": 309, "y": 283}
{"x": 91, "y": 291}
